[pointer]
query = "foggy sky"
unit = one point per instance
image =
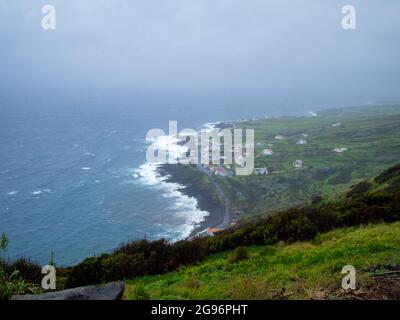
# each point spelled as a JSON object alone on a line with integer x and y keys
{"x": 199, "y": 45}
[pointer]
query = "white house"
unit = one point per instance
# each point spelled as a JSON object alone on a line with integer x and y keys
{"x": 336, "y": 124}
{"x": 298, "y": 163}
{"x": 261, "y": 171}
{"x": 340, "y": 150}
{"x": 301, "y": 141}
{"x": 268, "y": 152}
{"x": 279, "y": 137}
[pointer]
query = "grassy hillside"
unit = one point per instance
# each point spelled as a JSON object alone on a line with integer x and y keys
{"x": 283, "y": 265}
{"x": 299, "y": 270}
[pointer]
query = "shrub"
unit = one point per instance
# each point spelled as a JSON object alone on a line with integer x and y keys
{"x": 240, "y": 253}
{"x": 13, "y": 284}
{"x": 358, "y": 189}
{"x": 192, "y": 283}
{"x": 343, "y": 177}
{"x": 388, "y": 174}
{"x": 28, "y": 270}
{"x": 316, "y": 199}
{"x": 140, "y": 293}
{"x": 248, "y": 288}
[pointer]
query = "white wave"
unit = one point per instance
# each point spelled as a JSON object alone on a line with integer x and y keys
{"x": 89, "y": 154}
{"x": 40, "y": 191}
{"x": 183, "y": 206}
{"x": 171, "y": 145}
{"x": 12, "y": 193}
{"x": 86, "y": 168}
{"x": 211, "y": 125}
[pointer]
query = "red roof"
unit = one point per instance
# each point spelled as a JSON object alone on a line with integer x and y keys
{"x": 213, "y": 230}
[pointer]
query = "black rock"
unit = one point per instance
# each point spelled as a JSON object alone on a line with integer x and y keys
{"x": 110, "y": 291}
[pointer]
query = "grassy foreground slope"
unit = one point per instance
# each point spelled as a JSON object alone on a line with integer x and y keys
{"x": 298, "y": 270}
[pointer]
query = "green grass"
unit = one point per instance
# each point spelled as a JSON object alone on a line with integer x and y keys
{"x": 301, "y": 270}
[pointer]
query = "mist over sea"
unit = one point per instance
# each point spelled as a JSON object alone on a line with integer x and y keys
{"x": 74, "y": 179}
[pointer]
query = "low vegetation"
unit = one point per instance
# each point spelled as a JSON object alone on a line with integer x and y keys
{"x": 18, "y": 277}
{"x": 301, "y": 270}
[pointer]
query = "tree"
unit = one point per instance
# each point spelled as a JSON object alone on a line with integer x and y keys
{"x": 52, "y": 261}
{"x": 4, "y": 245}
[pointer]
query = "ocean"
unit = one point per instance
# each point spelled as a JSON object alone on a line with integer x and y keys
{"x": 75, "y": 181}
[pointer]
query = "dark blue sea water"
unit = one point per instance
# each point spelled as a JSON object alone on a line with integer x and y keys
{"x": 75, "y": 181}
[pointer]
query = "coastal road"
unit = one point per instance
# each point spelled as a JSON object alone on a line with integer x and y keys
{"x": 226, "y": 217}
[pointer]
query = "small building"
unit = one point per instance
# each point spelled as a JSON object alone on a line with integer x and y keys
{"x": 279, "y": 137}
{"x": 305, "y": 135}
{"x": 261, "y": 171}
{"x": 340, "y": 150}
{"x": 267, "y": 152}
{"x": 212, "y": 231}
{"x": 220, "y": 171}
{"x": 301, "y": 141}
{"x": 298, "y": 163}
{"x": 336, "y": 124}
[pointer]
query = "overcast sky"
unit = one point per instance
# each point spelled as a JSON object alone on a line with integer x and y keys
{"x": 200, "y": 45}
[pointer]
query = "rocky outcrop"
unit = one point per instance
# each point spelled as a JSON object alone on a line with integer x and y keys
{"x": 110, "y": 291}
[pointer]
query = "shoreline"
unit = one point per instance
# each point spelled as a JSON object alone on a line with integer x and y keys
{"x": 190, "y": 179}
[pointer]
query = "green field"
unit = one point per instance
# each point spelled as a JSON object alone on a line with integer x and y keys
{"x": 371, "y": 135}
{"x": 295, "y": 271}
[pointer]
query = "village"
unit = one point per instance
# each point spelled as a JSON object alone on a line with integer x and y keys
{"x": 227, "y": 170}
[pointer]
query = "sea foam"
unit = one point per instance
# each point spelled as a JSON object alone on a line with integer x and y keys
{"x": 183, "y": 206}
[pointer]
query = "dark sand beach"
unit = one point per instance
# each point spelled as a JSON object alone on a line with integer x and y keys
{"x": 207, "y": 199}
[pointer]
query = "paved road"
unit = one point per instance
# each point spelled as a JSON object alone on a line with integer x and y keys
{"x": 226, "y": 217}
